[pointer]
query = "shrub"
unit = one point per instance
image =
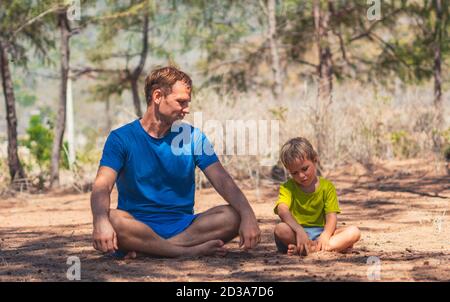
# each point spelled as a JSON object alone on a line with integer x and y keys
{"x": 403, "y": 144}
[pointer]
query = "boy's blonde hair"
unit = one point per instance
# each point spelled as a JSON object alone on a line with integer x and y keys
{"x": 297, "y": 148}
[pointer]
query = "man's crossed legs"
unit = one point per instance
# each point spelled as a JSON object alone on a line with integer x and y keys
{"x": 205, "y": 236}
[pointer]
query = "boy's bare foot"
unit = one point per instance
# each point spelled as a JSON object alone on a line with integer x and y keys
{"x": 347, "y": 250}
{"x": 312, "y": 246}
{"x": 292, "y": 250}
{"x": 212, "y": 247}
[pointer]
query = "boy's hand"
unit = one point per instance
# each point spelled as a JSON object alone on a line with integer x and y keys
{"x": 323, "y": 243}
{"x": 302, "y": 242}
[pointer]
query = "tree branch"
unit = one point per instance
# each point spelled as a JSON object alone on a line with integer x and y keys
{"x": 373, "y": 25}
{"x": 34, "y": 19}
{"x": 78, "y": 72}
{"x": 138, "y": 70}
{"x": 306, "y": 63}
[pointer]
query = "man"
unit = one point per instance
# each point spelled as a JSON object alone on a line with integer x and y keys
{"x": 156, "y": 183}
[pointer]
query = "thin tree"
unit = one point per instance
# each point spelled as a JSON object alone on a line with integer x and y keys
{"x": 439, "y": 32}
{"x": 272, "y": 37}
{"x": 65, "y": 33}
{"x": 15, "y": 167}
{"x": 21, "y": 28}
{"x": 321, "y": 15}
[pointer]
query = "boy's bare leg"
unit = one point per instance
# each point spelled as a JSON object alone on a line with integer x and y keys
{"x": 133, "y": 235}
{"x": 344, "y": 238}
{"x": 221, "y": 222}
{"x": 284, "y": 233}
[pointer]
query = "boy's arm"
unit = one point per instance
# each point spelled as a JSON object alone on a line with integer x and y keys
{"x": 330, "y": 224}
{"x": 323, "y": 242}
{"x": 300, "y": 235}
{"x": 286, "y": 217}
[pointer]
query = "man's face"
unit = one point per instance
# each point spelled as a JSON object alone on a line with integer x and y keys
{"x": 175, "y": 105}
{"x": 303, "y": 171}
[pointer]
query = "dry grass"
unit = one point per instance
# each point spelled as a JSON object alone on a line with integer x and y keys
{"x": 365, "y": 125}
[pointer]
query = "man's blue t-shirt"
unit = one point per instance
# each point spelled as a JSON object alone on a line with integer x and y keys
{"x": 156, "y": 177}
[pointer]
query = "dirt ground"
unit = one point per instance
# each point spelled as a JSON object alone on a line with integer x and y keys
{"x": 401, "y": 208}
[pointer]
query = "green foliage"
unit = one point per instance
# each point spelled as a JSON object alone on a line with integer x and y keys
{"x": 64, "y": 158}
{"x": 91, "y": 154}
{"x": 409, "y": 52}
{"x": 403, "y": 144}
{"x": 21, "y": 36}
{"x": 373, "y": 137}
{"x": 23, "y": 95}
{"x": 279, "y": 113}
{"x": 447, "y": 153}
{"x": 446, "y": 144}
{"x": 39, "y": 141}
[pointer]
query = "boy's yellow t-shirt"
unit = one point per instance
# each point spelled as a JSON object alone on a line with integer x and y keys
{"x": 309, "y": 209}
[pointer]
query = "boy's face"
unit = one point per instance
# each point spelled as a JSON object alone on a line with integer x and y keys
{"x": 303, "y": 171}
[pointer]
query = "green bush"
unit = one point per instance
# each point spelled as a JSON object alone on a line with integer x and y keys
{"x": 40, "y": 140}
{"x": 446, "y": 144}
{"x": 404, "y": 145}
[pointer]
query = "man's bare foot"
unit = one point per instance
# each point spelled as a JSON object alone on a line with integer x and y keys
{"x": 131, "y": 255}
{"x": 212, "y": 247}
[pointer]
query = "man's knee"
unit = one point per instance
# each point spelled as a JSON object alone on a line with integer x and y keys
{"x": 231, "y": 218}
{"x": 117, "y": 219}
{"x": 226, "y": 219}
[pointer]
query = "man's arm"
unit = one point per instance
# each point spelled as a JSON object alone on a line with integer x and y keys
{"x": 249, "y": 231}
{"x": 104, "y": 236}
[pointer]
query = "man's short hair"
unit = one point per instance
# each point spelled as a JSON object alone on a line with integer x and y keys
{"x": 164, "y": 78}
{"x": 297, "y": 148}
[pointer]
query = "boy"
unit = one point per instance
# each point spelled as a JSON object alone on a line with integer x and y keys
{"x": 308, "y": 206}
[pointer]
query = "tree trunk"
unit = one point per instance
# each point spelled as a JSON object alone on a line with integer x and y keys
{"x": 136, "y": 98}
{"x": 325, "y": 68}
{"x": 108, "y": 115}
{"x": 15, "y": 167}
{"x": 276, "y": 69}
{"x": 134, "y": 77}
{"x": 325, "y": 74}
{"x": 438, "y": 75}
{"x": 70, "y": 124}
{"x": 64, "y": 27}
{"x": 437, "y": 78}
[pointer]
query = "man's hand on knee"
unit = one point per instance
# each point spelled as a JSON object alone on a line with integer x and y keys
{"x": 104, "y": 236}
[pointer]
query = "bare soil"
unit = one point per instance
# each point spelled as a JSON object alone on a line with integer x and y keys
{"x": 401, "y": 208}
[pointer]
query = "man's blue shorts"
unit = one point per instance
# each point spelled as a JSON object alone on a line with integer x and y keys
{"x": 166, "y": 227}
